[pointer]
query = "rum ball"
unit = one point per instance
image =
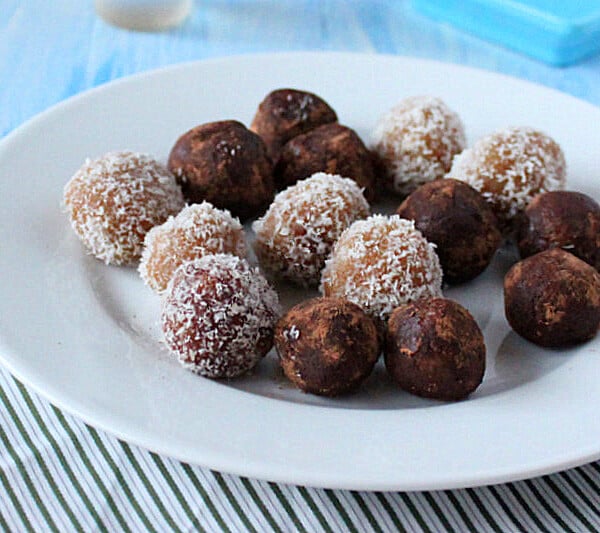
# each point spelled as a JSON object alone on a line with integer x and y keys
{"x": 226, "y": 165}
{"x": 298, "y": 231}
{"x": 435, "y": 349}
{"x": 380, "y": 263}
{"x": 561, "y": 219}
{"x": 327, "y": 346}
{"x": 218, "y": 316}
{"x": 455, "y": 217}
{"x": 330, "y": 148}
{"x": 415, "y": 142}
{"x": 553, "y": 299}
{"x": 509, "y": 167}
{"x": 197, "y": 230}
{"x": 286, "y": 113}
{"x": 115, "y": 200}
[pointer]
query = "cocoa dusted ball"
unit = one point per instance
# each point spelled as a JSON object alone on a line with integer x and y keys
{"x": 327, "y": 346}
{"x": 435, "y": 349}
{"x": 553, "y": 299}
{"x": 562, "y": 219}
{"x": 225, "y": 164}
{"x": 285, "y": 113}
{"x": 331, "y": 148}
{"x": 456, "y": 218}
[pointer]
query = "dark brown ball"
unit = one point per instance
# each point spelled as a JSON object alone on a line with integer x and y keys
{"x": 225, "y": 164}
{"x": 327, "y": 346}
{"x": 285, "y": 113}
{"x": 331, "y": 148}
{"x": 553, "y": 299}
{"x": 456, "y": 218}
{"x": 435, "y": 349}
{"x": 562, "y": 219}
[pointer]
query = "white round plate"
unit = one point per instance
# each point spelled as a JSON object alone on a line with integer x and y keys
{"x": 85, "y": 335}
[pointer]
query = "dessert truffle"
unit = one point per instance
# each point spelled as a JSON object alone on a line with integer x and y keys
{"x": 509, "y": 167}
{"x": 553, "y": 299}
{"x": 455, "y": 217}
{"x": 415, "y": 142}
{"x": 296, "y": 235}
{"x": 285, "y": 113}
{"x": 435, "y": 349}
{"x": 561, "y": 219}
{"x": 113, "y": 201}
{"x": 218, "y": 316}
{"x": 199, "y": 229}
{"x": 225, "y": 164}
{"x": 331, "y": 148}
{"x": 327, "y": 346}
{"x": 380, "y": 263}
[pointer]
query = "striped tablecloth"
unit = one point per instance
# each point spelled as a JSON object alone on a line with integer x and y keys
{"x": 56, "y": 473}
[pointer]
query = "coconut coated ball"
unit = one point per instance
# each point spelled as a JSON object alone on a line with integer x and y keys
{"x": 198, "y": 229}
{"x": 298, "y": 231}
{"x": 561, "y": 219}
{"x": 509, "y": 167}
{"x": 285, "y": 113}
{"x": 455, "y": 217}
{"x": 330, "y": 148}
{"x": 415, "y": 142}
{"x": 380, "y": 263}
{"x": 225, "y": 164}
{"x": 435, "y": 349}
{"x": 327, "y": 346}
{"x": 553, "y": 299}
{"x": 113, "y": 201}
{"x": 218, "y": 316}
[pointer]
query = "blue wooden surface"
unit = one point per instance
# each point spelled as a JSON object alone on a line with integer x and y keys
{"x": 50, "y": 50}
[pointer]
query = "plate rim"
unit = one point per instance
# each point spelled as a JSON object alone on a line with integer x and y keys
{"x": 260, "y": 471}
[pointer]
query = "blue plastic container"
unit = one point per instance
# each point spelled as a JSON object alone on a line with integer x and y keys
{"x": 558, "y": 32}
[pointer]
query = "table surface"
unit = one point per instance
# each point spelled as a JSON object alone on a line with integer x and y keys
{"x": 57, "y": 473}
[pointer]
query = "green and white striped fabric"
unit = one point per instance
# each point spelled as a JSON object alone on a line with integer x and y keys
{"x": 58, "y": 474}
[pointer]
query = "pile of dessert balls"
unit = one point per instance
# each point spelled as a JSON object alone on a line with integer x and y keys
{"x": 380, "y": 276}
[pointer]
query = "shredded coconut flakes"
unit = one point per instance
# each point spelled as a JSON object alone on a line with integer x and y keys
{"x": 216, "y": 312}
{"x": 380, "y": 263}
{"x": 296, "y": 235}
{"x": 416, "y": 141}
{"x": 510, "y": 166}
{"x": 115, "y": 200}
{"x": 197, "y": 230}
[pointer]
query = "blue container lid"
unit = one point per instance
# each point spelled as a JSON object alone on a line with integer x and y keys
{"x": 558, "y": 32}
